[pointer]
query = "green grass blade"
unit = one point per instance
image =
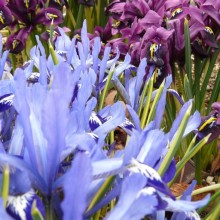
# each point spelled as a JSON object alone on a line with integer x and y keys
{"x": 189, "y": 154}
{"x": 104, "y": 92}
{"x": 5, "y": 184}
{"x": 215, "y": 92}
{"x": 35, "y": 213}
{"x": 142, "y": 98}
{"x": 212, "y": 199}
{"x": 80, "y": 17}
{"x": 187, "y": 88}
{"x": 101, "y": 192}
{"x": 153, "y": 106}
{"x": 214, "y": 213}
{"x": 208, "y": 75}
{"x": 188, "y": 61}
{"x": 175, "y": 143}
{"x": 148, "y": 100}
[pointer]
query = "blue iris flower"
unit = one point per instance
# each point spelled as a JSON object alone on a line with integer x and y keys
{"x": 52, "y": 126}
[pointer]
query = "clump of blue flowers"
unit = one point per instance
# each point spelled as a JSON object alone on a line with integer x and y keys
{"x": 57, "y": 134}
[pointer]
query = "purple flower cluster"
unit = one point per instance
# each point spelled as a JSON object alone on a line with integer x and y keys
{"x": 28, "y": 16}
{"x": 155, "y": 30}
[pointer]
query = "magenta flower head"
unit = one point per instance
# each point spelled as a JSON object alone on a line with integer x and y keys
{"x": 155, "y": 46}
{"x": 210, "y": 124}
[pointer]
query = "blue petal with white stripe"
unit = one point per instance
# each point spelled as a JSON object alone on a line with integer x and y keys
{"x": 6, "y": 101}
{"x": 153, "y": 178}
{"x": 95, "y": 121}
{"x": 19, "y": 207}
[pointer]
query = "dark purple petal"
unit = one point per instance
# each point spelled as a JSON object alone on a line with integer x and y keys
{"x": 17, "y": 41}
{"x": 211, "y": 11}
{"x": 210, "y": 124}
{"x": 87, "y": 2}
{"x": 6, "y": 101}
{"x": 19, "y": 11}
{"x": 23, "y": 6}
{"x": 56, "y": 4}
{"x": 151, "y": 18}
{"x": 5, "y": 16}
{"x": 115, "y": 9}
{"x": 48, "y": 15}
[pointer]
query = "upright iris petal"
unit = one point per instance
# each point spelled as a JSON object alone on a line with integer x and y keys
{"x": 16, "y": 42}
{"x": 48, "y": 15}
{"x": 5, "y": 16}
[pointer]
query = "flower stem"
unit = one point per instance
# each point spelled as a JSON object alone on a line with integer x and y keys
{"x": 5, "y": 184}
{"x": 103, "y": 95}
{"x": 101, "y": 192}
{"x": 206, "y": 189}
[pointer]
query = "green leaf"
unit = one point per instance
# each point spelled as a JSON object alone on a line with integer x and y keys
{"x": 175, "y": 143}
{"x": 187, "y": 88}
{"x": 191, "y": 152}
{"x": 148, "y": 100}
{"x": 188, "y": 61}
{"x": 208, "y": 75}
{"x": 102, "y": 191}
{"x": 5, "y": 184}
{"x": 215, "y": 92}
{"x": 153, "y": 106}
{"x": 103, "y": 94}
{"x": 35, "y": 213}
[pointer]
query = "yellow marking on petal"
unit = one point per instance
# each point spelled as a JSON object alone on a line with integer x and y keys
{"x": 199, "y": 41}
{"x": 51, "y": 16}
{"x": 54, "y": 32}
{"x": 77, "y": 36}
{"x": 209, "y": 30}
{"x": 26, "y": 2}
{"x": 156, "y": 74}
{"x": 207, "y": 122}
{"x": 14, "y": 44}
{"x": 2, "y": 18}
{"x": 153, "y": 48}
{"x": 116, "y": 24}
{"x": 176, "y": 12}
